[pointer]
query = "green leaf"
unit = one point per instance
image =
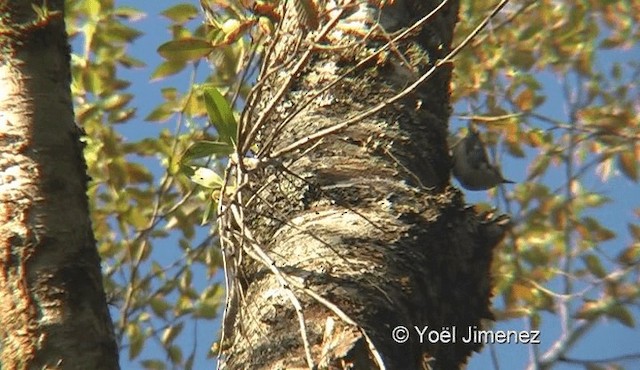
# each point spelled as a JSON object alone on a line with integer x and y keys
{"x": 128, "y": 13}
{"x": 121, "y": 116}
{"x": 116, "y": 101}
{"x": 169, "y": 93}
{"x": 138, "y": 173}
{"x": 162, "y": 112}
{"x": 210, "y": 301}
{"x": 136, "y": 218}
{"x": 208, "y": 309}
{"x": 634, "y": 230}
{"x": 591, "y": 310}
{"x": 136, "y": 340}
{"x": 628, "y": 164}
{"x": 153, "y": 364}
{"x": 208, "y": 211}
{"x": 120, "y": 32}
{"x": 175, "y": 354}
{"x": 596, "y": 231}
{"x": 220, "y": 114}
{"x": 179, "y": 32}
{"x": 159, "y": 306}
{"x": 538, "y": 166}
{"x": 202, "y": 149}
{"x": 188, "y": 365}
{"x": 92, "y": 8}
{"x": 168, "y": 68}
{"x": 211, "y": 206}
{"x": 171, "y": 333}
{"x": 596, "y": 200}
{"x": 206, "y": 177}
{"x": 630, "y": 255}
{"x": 87, "y": 111}
{"x": 185, "y": 49}
{"x": 594, "y": 266}
{"x": 622, "y": 314}
{"x": 131, "y": 62}
{"x": 181, "y": 13}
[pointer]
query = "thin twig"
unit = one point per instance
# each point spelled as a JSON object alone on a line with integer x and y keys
{"x": 261, "y": 256}
{"x": 386, "y": 46}
{"x": 285, "y": 85}
{"x": 357, "y": 118}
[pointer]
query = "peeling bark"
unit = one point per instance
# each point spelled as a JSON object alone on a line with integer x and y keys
{"x": 356, "y": 223}
{"x": 53, "y": 312}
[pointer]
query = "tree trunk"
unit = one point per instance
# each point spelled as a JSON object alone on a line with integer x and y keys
{"x": 53, "y": 311}
{"x": 347, "y": 222}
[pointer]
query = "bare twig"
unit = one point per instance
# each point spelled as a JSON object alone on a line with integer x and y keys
{"x": 256, "y": 252}
{"x": 244, "y": 146}
{"x": 357, "y": 118}
{"x": 386, "y": 46}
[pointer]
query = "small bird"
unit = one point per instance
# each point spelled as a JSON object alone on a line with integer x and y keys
{"x": 471, "y": 165}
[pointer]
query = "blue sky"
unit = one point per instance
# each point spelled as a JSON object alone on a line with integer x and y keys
{"x": 608, "y": 339}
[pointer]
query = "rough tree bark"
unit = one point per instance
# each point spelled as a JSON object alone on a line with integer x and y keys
{"x": 357, "y": 224}
{"x": 53, "y": 311}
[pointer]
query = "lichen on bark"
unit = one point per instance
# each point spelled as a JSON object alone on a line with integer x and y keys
{"x": 352, "y": 228}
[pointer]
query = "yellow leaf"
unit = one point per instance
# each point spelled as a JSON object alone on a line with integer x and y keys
{"x": 524, "y": 100}
{"x": 234, "y": 30}
{"x": 590, "y": 310}
{"x": 522, "y": 292}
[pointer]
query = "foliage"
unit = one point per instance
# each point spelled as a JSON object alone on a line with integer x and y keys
{"x": 564, "y": 256}
{"x": 560, "y": 96}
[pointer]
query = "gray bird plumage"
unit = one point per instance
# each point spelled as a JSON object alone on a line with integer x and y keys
{"x": 471, "y": 164}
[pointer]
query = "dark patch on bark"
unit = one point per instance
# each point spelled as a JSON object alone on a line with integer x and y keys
{"x": 365, "y": 217}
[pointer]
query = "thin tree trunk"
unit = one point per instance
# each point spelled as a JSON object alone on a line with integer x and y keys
{"x": 53, "y": 311}
{"x": 358, "y": 225}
